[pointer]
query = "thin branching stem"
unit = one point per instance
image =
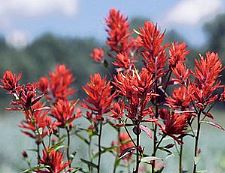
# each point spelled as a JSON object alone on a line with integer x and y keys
{"x": 196, "y": 141}
{"x": 99, "y": 147}
{"x": 117, "y": 154}
{"x": 181, "y": 157}
{"x": 137, "y": 148}
{"x": 68, "y": 146}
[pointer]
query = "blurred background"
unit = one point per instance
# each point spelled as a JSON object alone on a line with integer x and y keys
{"x": 35, "y": 35}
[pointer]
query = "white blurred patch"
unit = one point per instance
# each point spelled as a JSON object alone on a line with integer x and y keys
{"x": 27, "y": 8}
{"x": 17, "y": 39}
{"x": 191, "y": 12}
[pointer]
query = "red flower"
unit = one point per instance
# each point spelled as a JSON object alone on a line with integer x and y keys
{"x": 174, "y": 123}
{"x": 153, "y": 51}
{"x": 137, "y": 88}
{"x": 37, "y": 123}
{"x": 43, "y": 84}
{"x": 100, "y": 96}
{"x": 118, "y": 109}
{"x": 181, "y": 98}
{"x": 118, "y": 31}
{"x": 132, "y": 84}
{"x": 125, "y": 143}
{"x": 25, "y": 97}
{"x": 54, "y": 160}
{"x": 10, "y": 81}
{"x": 181, "y": 73}
{"x": 208, "y": 69}
{"x": 206, "y": 75}
{"x": 125, "y": 146}
{"x": 151, "y": 39}
{"x": 64, "y": 112}
{"x": 97, "y": 54}
{"x": 57, "y": 87}
{"x": 178, "y": 52}
{"x": 122, "y": 61}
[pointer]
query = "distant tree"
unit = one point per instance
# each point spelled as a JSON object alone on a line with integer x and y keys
{"x": 215, "y": 30}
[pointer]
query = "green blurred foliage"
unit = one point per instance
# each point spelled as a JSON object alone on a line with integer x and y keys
{"x": 215, "y": 30}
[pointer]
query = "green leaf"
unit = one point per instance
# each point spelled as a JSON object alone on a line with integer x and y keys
{"x": 169, "y": 146}
{"x": 166, "y": 150}
{"x": 31, "y": 170}
{"x": 214, "y": 124}
{"x": 58, "y": 145}
{"x": 73, "y": 154}
{"x": 34, "y": 150}
{"x": 126, "y": 151}
{"x": 105, "y": 149}
{"x": 89, "y": 163}
{"x": 82, "y": 138}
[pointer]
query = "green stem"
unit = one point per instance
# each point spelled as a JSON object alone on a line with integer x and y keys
{"x": 181, "y": 157}
{"x": 117, "y": 154}
{"x": 137, "y": 148}
{"x": 155, "y": 140}
{"x": 196, "y": 141}
{"x": 68, "y": 146}
{"x": 38, "y": 154}
{"x": 99, "y": 148}
{"x": 90, "y": 155}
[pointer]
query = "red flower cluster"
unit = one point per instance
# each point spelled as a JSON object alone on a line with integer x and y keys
{"x": 99, "y": 98}
{"x": 37, "y": 124}
{"x": 153, "y": 52}
{"x": 137, "y": 88}
{"x": 57, "y": 87}
{"x": 54, "y": 162}
{"x": 10, "y": 81}
{"x": 206, "y": 82}
{"x": 25, "y": 96}
{"x": 125, "y": 146}
{"x": 118, "y": 109}
{"x": 118, "y": 31}
{"x": 63, "y": 112}
{"x": 122, "y": 61}
{"x": 97, "y": 54}
{"x": 181, "y": 73}
{"x": 178, "y": 52}
{"x": 180, "y": 99}
{"x": 174, "y": 123}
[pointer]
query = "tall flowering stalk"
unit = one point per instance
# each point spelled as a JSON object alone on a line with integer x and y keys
{"x": 98, "y": 101}
{"x": 206, "y": 83}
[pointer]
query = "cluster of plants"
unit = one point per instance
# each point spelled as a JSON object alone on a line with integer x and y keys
{"x": 161, "y": 99}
